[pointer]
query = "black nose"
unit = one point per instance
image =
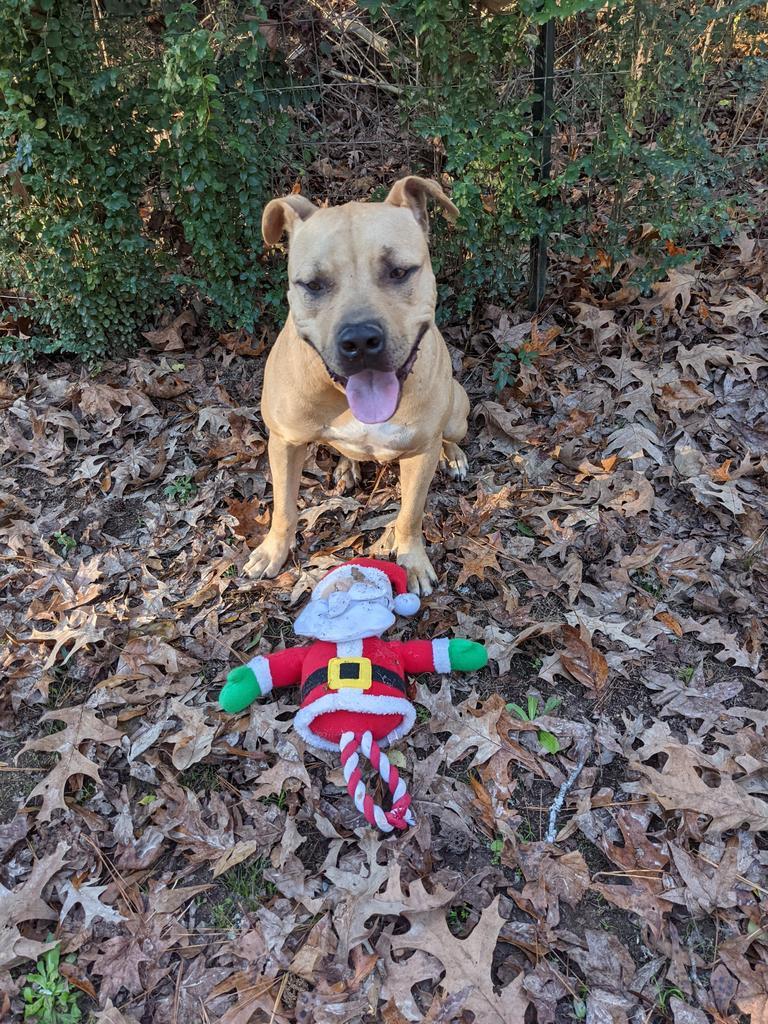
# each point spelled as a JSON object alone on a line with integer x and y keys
{"x": 360, "y": 340}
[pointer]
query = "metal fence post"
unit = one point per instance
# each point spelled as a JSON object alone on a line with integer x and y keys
{"x": 543, "y": 86}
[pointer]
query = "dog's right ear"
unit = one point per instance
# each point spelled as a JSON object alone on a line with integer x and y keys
{"x": 281, "y": 215}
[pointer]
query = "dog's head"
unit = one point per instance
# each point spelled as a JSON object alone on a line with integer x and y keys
{"x": 361, "y": 288}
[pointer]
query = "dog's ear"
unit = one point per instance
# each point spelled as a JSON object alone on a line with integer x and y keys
{"x": 413, "y": 192}
{"x": 281, "y": 215}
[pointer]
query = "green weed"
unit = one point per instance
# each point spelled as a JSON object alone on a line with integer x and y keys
{"x": 65, "y": 542}
{"x": 181, "y": 490}
{"x": 549, "y": 742}
{"x": 47, "y": 996}
{"x": 246, "y": 883}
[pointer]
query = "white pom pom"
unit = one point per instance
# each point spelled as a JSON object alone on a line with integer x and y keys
{"x": 407, "y": 604}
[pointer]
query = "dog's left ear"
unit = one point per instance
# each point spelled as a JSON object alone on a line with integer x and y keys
{"x": 282, "y": 215}
{"x": 413, "y": 192}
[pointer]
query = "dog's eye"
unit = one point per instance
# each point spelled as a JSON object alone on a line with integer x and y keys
{"x": 313, "y": 286}
{"x": 402, "y": 273}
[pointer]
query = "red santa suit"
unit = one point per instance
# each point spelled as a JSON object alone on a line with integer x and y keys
{"x": 341, "y": 681}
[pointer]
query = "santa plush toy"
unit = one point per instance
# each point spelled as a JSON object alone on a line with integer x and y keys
{"x": 353, "y": 683}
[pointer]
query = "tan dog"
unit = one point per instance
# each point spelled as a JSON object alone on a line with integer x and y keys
{"x": 360, "y": 364}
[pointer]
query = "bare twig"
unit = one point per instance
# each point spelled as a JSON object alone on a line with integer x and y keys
{"x": 386, "y": 86}
{"x": 562, "y": 793}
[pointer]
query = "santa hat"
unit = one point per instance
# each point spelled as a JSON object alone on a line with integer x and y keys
{"x": 386, "y": 575}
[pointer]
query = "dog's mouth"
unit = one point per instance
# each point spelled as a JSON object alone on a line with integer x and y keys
{"x": 374, "y": 395}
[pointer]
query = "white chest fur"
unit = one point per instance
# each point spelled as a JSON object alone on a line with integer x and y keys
{"x": 382, "y": 442}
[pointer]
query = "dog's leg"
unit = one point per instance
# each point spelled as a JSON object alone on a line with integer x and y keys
{"x": 285, "y": 463}
{"x": 453, "y": 460}
{"x": 416, "y": 475}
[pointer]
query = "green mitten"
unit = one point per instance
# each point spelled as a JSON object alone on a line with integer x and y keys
{"x": 466, "y": 655}
{"x": 241, "y": 689}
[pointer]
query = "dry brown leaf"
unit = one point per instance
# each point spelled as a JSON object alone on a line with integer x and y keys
{"x": 680, "y": 784}
{"x": 749, "y": 307}
{"x": 635, "y": 441}
{"x": 684, "y": 1014}
{"x": 467, "y": 962}
{"x": 84, "y": 626}
{"x": 584, "y": 662}
{"x": 111, "y": 1015}
{"x": 194, "y": 740}
{"x": 469, "y": 726}
{"x": 82, "y": 725}
{"x": 252, "y": 519}
{"x": 25, "y": 903}
{"x": 678, "y": 286}
{"x": 644, "y": 897}
{"x": 236, "y": 855}
{"x": 600, "y": 322}
{"x": 670, "y": 622}
{"x": 89, "y": 898}
{"x": 170, "y": 339}
{"x": 478, "y": 557}
{"x": 699, "y": 357}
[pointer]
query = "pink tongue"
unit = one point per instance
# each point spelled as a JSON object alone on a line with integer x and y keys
{"x": 373, "y": 395}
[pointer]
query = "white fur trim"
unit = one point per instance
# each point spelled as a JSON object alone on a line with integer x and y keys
{"x": 260, "y": 668}
{"x": 407, "y": 604}
{"x": 353, "y": 700}
{"x": 349, "y": 649}
{"x": 440, "y": 655}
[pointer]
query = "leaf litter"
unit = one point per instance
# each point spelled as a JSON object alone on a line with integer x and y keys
{"x": 609, "y": 547}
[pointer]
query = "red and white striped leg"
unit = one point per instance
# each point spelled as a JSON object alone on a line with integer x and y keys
{"x": 399, "y": 816}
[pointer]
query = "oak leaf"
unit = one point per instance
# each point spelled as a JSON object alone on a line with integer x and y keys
{"x": 82, "y": 725}
{"x": 467, "y": 962}
{"x": 584, "y": 662}
{"x": 25, "y": 903}
{"x": 194, "y": 740}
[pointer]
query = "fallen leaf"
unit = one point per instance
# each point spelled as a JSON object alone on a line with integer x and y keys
{"x": 88, "y": 897}
{"x": 194, "y": 740}
{"x": 169, "y": 339}
{"x": 584, "y": 662}
{"x": 25, "y": 903}
{"x": 467, "y": 962}
{"x": 670, "y": 622}
{"x": 82, "y": 725}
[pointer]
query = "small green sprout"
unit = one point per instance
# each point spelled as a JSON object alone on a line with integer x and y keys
{"x": 549, "y": 742}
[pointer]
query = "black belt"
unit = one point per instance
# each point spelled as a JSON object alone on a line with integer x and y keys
{"x": 380, "y": 675}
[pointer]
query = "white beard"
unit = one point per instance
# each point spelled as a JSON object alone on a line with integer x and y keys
{"x": 360, "y": 619}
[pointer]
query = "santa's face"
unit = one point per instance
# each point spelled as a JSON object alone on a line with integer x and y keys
{"x": 345, "y": 612}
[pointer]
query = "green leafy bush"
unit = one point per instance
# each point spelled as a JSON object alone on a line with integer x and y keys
{"x": 635, "y": 143}
{"x": 77, "y": 157}
{"x": 131, "y": 170}
{"x": 139, "y": 149}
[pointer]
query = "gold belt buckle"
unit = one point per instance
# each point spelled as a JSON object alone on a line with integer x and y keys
{"x": 349, "y": 674}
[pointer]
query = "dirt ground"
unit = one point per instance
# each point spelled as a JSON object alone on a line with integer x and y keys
{"x": 608, "y": 547}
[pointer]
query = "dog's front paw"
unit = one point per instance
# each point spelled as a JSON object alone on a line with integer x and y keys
{"x": 421, "y": 576}
{"x": 268, "y": 558}
{"x": 347, "y": 473}
{"x": 453, "y": 461}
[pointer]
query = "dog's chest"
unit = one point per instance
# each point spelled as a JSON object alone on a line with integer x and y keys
{"x": 382, "y": 442}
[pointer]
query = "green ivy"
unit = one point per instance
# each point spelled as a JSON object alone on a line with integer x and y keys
{"x": 132, "y": 167}
{"x": 138, "y": 151}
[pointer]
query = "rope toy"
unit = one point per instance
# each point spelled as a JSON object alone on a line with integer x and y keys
{"x": 399, "y": 816}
